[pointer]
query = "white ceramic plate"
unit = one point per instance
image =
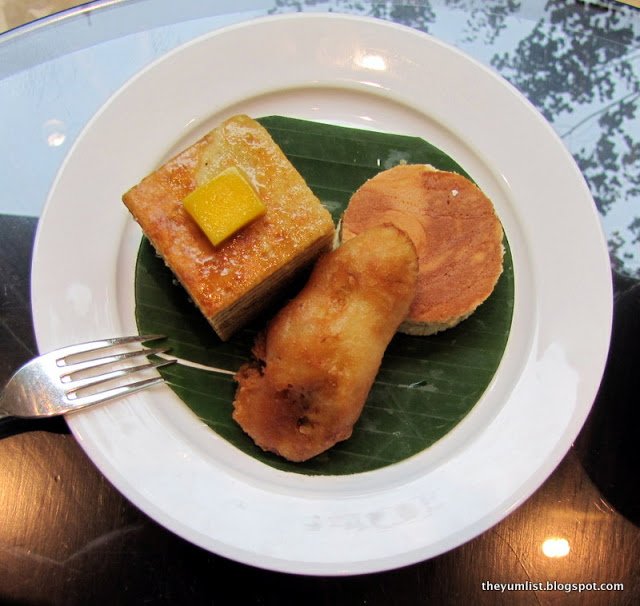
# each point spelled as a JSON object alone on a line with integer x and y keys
{"x": 363, "y": 73}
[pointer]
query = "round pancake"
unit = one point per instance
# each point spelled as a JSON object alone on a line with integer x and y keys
{"x": 454, "y": 228}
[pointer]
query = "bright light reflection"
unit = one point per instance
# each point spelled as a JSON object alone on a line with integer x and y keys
{"x": 371, "y": 61}
{"x": 555, "y": 547}
{"x": 55, "y": 139}
{"x": 54, "y": 132}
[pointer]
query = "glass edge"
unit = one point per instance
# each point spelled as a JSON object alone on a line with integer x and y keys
{"x": 57, "y": 17}
{"x": 97, "y": 21}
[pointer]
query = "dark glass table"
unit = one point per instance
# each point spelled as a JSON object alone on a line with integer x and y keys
{"x": 68, "y": 537}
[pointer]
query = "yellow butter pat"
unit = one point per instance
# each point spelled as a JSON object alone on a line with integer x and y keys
{"x": 224, "y": 205}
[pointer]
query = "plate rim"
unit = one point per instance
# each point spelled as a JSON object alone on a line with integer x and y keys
{"x": 77, "y": 424}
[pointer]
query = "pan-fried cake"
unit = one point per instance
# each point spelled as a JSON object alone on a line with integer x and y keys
{"x": 319, "y": 356}
{"x": 232, "y": 282}
{"x": 454, "y": 228}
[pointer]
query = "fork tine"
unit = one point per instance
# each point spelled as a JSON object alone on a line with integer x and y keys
{"x": 112, "y": 394}
{"x": 76, "y": 367}
{"x": 79, "y": 348}
{"x": 97, "y": 380}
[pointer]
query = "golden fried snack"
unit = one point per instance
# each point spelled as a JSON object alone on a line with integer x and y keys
{"x": 454, "y": 228}
{"x": 319, "y": 356}
{"x": 230, "y": 283}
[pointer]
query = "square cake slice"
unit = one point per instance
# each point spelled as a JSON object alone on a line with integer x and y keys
{"x": 232, "y": 282}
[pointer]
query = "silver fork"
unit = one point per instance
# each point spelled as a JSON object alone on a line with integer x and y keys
{"x": 78, "y": 376}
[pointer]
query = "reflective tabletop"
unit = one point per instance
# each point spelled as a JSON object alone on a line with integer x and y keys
{"x": 67, "y": 536}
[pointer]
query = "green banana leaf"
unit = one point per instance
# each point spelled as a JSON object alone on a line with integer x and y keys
{"x": 425, "y": 385}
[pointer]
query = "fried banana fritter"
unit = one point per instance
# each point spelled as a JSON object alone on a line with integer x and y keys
{"x": 317, "y": 360}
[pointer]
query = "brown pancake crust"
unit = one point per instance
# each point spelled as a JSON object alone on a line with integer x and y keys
{"x": 454, "y": 228}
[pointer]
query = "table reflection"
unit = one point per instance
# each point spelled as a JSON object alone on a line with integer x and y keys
{"x": 578, "y": 62}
